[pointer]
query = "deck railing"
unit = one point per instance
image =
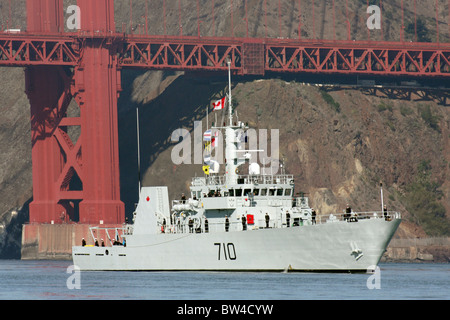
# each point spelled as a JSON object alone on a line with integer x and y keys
{"x": 116, "y": 236}
{"x": 356, "y": 216}
{"x": 237, "y": 225}
{"x": 216, "y": 180}
{"x": 112, "y": 235}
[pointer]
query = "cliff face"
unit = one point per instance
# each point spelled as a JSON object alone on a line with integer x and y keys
{"x": 339, "y": 143}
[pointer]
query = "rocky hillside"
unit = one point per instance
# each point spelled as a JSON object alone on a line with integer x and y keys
{"x": 337, "y": 154}
{"x": 339, "y": 143}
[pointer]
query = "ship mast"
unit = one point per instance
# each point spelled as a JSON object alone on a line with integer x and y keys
{"x": 230, "y": 111}
{"x": 230, "y": 146}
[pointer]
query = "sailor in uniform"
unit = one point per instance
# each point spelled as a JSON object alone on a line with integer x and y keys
{"x": 244, "y": 223}
{"x": 227, "y": 224}
{"x": 348, "y": 212}
{"x": 288, "y": 219}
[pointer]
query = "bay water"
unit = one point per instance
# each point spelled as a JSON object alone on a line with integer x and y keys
{"x": 57, "y": 280}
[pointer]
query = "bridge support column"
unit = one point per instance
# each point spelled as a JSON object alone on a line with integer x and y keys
{"x": 97, "y": 84}
{"x": 74, "y": 180}
{"x": 44, "y": 88}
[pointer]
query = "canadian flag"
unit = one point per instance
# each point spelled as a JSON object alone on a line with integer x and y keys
{"x": 220, "y": 104}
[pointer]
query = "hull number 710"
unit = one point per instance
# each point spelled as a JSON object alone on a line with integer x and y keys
{"x": 225, "y": 251}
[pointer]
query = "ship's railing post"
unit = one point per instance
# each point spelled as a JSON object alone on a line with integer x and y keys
{"x": 356, "y": 216}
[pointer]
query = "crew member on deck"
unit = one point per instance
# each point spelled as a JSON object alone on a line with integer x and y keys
{"x": 313, "y": 215}
{"x": 83, "y": 242}
{"x": 385, "y": 213}
{"x": 348, "y": 212}
{"x": 288, "y": 219}
{"x": 267, "y": 220}
{"x": 227, "y": 224}
{"x": 244, "y": 223}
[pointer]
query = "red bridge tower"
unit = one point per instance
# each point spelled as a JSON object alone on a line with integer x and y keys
{"x": 74, "y": 181}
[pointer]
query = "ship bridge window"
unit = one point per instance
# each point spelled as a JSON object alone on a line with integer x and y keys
{"x": 247, "y": 192}
{"x": 287, "y": 192}
{"x": 280, "y": 192}
{"x": 271, "y": 192}
{"x": 256, "y": 192}
{"x": 231, "y": 192}
{"x": 238, "y": 192}
{"x": 264, "y": 192}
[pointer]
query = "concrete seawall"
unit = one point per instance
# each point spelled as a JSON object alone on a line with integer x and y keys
{"x": 55, "y": 241}
{"x": 418, "y": 250}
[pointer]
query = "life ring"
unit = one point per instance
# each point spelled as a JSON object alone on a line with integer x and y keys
{"x": 236, "y": 171}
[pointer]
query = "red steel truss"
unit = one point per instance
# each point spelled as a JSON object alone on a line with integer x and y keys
{"x": 248, "y": 56}
{"x": 27, "y": 50}
{"x": 371, "y": 58}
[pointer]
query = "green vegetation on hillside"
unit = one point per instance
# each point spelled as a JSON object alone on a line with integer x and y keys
{"x": 430, "y": 119}
{"x": 422, "y": 30}
{"x": 422, "y": 202}
{"x": 329, "y": 99}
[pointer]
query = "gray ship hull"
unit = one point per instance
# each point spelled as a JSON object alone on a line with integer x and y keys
{"x": 332, "y": 247}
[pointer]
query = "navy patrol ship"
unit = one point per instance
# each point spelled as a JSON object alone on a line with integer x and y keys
{"x": 235, "y": 222}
